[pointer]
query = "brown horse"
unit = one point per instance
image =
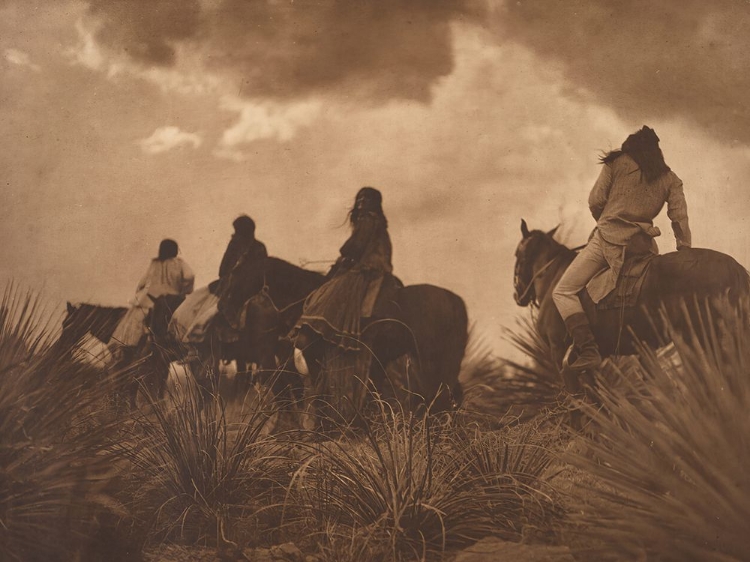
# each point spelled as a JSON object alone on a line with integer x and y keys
{"x": 426, "y": 323}
{"x": 689, "y": 276}
{"x": 261, "y": 307}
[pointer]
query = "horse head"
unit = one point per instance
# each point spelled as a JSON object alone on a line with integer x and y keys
{"x": 71, "y": 332}
{"x": 535, "y": 248}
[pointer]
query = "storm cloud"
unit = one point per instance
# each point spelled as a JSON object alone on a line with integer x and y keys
{"x": 369, "y": 50}
{"x": 684, "y": 59}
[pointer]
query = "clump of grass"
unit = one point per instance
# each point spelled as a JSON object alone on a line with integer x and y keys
{"x": 57, "y": 469}
{"x": 414, "y": 487}
{"x": 673, "y": 451}
{"x": 205, "y": 475}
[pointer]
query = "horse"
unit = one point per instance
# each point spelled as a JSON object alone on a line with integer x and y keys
{"x": 425, "y": 323}
{"x": 146, "y": 363}
{"x": 83, "y": 319}
{"x": 673, "y": 280}
{"x": 262, "y": 307}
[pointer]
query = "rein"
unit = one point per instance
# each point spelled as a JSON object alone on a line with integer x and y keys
{"x": 535, "y": 276}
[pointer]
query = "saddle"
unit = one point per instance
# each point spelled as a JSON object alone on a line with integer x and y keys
{"x": 638, "y": 258}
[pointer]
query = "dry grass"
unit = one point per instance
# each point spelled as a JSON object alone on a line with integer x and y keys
{"x": 418, "y": 487}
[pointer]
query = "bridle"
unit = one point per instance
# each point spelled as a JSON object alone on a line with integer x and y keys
{"x": 530, "y": 284}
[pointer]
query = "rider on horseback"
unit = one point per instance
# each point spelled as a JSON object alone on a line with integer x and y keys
{"x": 631, "y": 190}
{"x": 243, "y": 245}
{"x": 167, "y": 274}
{"x": 333, "y": 312}
{"x": 190, "y": 322}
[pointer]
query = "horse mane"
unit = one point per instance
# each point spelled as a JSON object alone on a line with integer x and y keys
{"x": 99, "y": 320}
{"x": 556, "y": 248}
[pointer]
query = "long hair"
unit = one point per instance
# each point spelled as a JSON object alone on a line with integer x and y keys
{"x": 167, "y": 249}
{"x": 368, "y": 200}
{"x": 643, "y": 147}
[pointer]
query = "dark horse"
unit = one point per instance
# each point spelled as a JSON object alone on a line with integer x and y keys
{"x": 670, "y": 280}
{"x": 426, "y": 323}
{"x": 83, "y": 319}
{"x": 263, "y": 308}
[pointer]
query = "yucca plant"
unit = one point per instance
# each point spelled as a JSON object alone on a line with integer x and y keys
{"x": 414, "y": 487}
{"x": 672, "y": 453}
{"x": 535, "y": 385}
{"x": 204, "y": 475}
{"x": 57, "y": 469}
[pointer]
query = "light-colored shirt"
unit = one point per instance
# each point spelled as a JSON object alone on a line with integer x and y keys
{"x": 169, "y": 277}
{"x": 624, "y": 204}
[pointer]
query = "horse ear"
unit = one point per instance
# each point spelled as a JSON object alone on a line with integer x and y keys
{"x": 524, "y": 229}
{"x": 552, "y": 232}
{"x": 71, "y": 308}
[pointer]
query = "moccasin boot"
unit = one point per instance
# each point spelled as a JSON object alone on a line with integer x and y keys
{"x": 583, "y": 339}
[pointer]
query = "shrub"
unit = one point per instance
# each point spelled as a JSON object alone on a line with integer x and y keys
{"x": 672, "y": 451}
{"x": 203, "y": 474}
{"x": 57, "y": 469}
{"x": 414, "y": 487}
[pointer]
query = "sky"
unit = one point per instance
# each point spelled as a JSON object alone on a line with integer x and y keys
{"x": 122, "y": 123}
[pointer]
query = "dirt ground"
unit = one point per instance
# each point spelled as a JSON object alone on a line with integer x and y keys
{"x": 486, "y": 550}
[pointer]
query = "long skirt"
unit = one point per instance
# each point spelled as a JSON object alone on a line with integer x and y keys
{"x": 334, "y": 310}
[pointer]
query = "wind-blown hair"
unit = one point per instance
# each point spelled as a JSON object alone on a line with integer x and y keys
{"x": 368, "y": 200}
{"x": 643, "y": 147}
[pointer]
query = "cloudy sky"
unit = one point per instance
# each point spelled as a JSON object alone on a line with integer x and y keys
{"x": 122, "y": 123}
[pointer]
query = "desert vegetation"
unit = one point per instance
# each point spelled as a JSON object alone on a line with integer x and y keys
{"x": 659, "y": 471}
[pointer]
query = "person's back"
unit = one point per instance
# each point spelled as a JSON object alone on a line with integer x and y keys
{"x": 632, "y": 199}
{"x": 633, "y": 186}
{"x": 167, "y": 274}
{"x": 333, "y": 312}
{"x": 168, "y": 277}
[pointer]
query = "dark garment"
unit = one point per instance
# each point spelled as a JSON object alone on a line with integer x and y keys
{"x": 369, "y": 246}
{"x": 335, "y": 309}
{"x": 254, "y": 253}
{"x": 239, "y": 246}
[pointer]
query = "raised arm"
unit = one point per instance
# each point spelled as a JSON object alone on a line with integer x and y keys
{"x": 600, "y": 192}
{"x": 678, "y": 213}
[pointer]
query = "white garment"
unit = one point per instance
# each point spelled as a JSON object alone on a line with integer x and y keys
{"x": 192, "y": 318}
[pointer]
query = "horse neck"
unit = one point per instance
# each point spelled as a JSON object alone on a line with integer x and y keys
{"x": 556, "y": 261}
{"x": 99, "y": 321}
{"x": 288, "y": 287}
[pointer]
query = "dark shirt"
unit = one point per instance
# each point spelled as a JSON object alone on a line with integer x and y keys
{"x": 369, "y": 246}
{"x": 253, "y": 250}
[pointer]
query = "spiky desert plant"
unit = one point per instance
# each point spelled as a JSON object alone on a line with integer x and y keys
{"x": 672, "y": 453}
{"x": 532, "y": 386}
{"x": 57, "y": 468}
{"x": 205, "y": 475}
{"x": 412, "y": 488}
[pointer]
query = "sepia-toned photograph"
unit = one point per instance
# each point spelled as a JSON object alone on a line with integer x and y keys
{"x": 374, "y": 280}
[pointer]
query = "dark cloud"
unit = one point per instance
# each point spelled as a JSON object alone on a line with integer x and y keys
{"x": 147, "y": 29}
{"x": 366, "y": 49}
{"x": 673, "y": 58}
